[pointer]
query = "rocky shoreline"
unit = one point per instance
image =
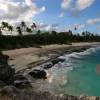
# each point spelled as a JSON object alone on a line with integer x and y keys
{"x": 16, "y": 86}
{"x": 12, "y": 93}
{"x": 53, "y": 57}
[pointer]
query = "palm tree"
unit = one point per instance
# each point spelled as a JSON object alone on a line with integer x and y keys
{"x": 23, "y": 25}
{"x": 33, "y": 26}
{"x": 83, "y": 33}
{"x": 28, "y": 30}
{"x": 70, "y": 33}
{"x": 19, "y": 30}
{"x": 5, "y": 24}
{"x": 0, "y": 32}
{"x": 10, "y": 28}
{"x": 39, "y": 31}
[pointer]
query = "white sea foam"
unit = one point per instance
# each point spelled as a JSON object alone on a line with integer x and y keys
{"x": 78, "y": 55}
{"x": 68, "y": 65}
{"x": 57, "y": 75}
{"x": 88, "y": 51}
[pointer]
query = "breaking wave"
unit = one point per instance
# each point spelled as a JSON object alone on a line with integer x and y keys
{"x": 57, "y": 73}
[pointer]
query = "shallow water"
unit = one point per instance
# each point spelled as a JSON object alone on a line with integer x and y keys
{"x": 83, "y": 79}
{"x": 76, "y": 76}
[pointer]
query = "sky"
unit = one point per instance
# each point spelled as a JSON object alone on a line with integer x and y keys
{"x": 59, "y": 15}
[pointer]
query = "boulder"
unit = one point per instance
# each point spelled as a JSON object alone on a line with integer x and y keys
{"x": 47, "y": 66}
{"x": 55, "y": 61}
{"x": 39, "y": 74}
{"x": 20, "y": 81}
{"x": 3, "y": 59}
{"x": 81, "y": 49}
{"x": 6, "y": 72}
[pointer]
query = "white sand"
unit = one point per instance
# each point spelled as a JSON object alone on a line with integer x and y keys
{"x": 22, "y": 57}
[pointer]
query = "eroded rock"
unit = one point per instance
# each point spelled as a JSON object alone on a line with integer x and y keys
{"x": 39, "y": 74}
{"x": 47, "y": 66}
{"x": 55, "y": 61}
{"x": 6, "y": 72}
{"x": 21, "y": 81}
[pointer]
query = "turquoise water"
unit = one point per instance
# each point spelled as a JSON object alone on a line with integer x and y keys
{"x": 83, "y": 79}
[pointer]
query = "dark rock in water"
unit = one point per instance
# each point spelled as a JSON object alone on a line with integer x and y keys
{"x": 20, "y": 81}
{"x": 81, "y": 49}
{"x": 55, "y": 61}
{"x": 39, "y": 74}
{"x": 76, "y": 50}
{"x": 19, "y": 77}
{"x": 6, "y": 72}
{"x": 47, "y": 66}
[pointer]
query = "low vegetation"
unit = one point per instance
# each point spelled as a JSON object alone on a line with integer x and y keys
{"x": 40, "y": 38}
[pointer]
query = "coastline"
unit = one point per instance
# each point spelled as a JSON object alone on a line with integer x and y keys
{"x": 63, "y": 50}
{"x": 21, "y": 58}
{"x": 13, "y": 93}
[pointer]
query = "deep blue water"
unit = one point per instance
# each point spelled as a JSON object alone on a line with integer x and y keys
{"x": 83, "y": 79}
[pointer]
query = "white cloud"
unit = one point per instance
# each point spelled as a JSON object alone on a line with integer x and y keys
{"x": 66, "y": 4}
{"x": 83, "y": 4}
{"x": 75, "y": 6}
{"x": 28, "y": 2}
{"x": 93, "y": 21}
{"x": 16, "y": 11}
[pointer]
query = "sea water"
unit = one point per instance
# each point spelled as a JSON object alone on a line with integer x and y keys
{"x": 78, "y": 75}
{"x": 83, "y": 79}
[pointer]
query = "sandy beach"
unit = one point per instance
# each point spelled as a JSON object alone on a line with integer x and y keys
{"x": 20, "y": 58}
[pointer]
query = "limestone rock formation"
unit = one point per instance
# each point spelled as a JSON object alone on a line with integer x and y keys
{"x": 39, "y": 74}
{"x": 6, "y": 72}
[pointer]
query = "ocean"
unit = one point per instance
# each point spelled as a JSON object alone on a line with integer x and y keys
{"x": 78, "y": 75}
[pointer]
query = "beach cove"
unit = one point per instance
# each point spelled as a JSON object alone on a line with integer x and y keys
{"x": 62, "y": 77}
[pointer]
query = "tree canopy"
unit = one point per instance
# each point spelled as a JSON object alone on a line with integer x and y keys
{"x": 42, "y": 38}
